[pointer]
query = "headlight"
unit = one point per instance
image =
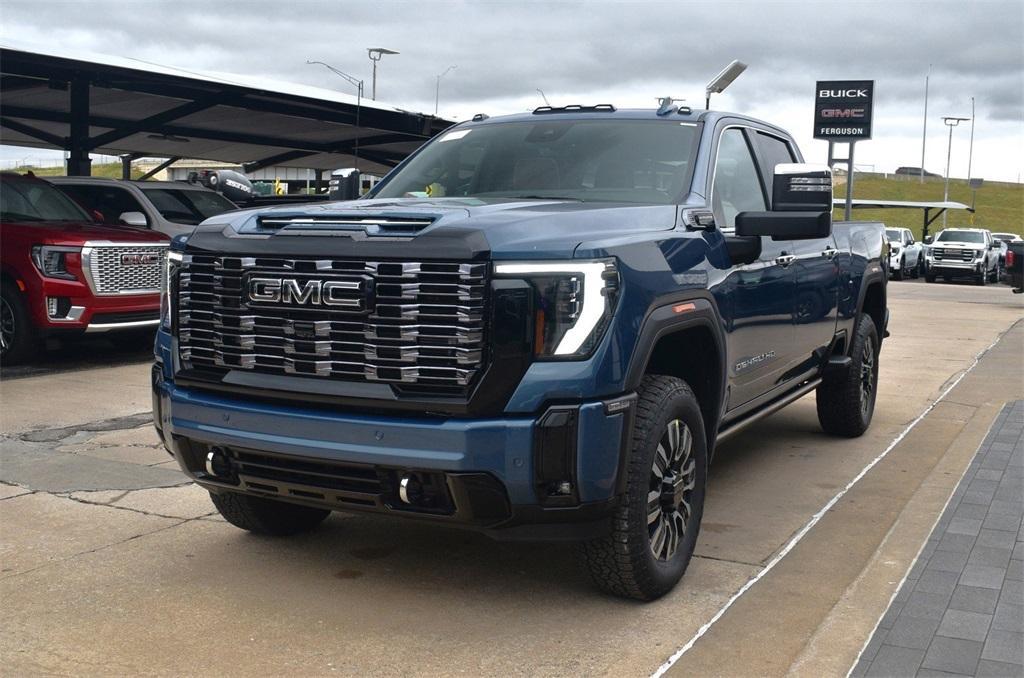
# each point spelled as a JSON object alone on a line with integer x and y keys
{"x": 171, "y": 263}
{"x": 574, "y": 301}
{"x": 51, "y": 260}
{"x": 895, "y": 249}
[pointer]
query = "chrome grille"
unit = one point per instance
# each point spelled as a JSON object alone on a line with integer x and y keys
{"x": 123, "y": 269}
{"x": 417, "y": 323}
{"x": 952, "y": 254}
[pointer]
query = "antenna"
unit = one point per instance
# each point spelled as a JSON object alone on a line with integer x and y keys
{"x": 541, "y": 92}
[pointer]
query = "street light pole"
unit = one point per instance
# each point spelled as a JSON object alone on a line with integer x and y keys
{"x": 924, "y": 130}
{"x": 950, "y": 122}
{"x": 970, "y": 149}
{"x": 437, "y": 88}
{"x": 379, "y": 52}
{"x": 359, "y": 100}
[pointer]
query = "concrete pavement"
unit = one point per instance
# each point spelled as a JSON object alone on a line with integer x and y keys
{"x": 98, "y": 577}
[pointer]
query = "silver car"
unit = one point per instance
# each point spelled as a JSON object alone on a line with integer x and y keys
{"x": 170, "y": 207}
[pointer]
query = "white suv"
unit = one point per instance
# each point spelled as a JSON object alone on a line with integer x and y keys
{"x": 962, "y": 253}
{"x": 905, "y": 254}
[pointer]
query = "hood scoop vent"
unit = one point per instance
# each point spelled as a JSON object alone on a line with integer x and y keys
{"x": 344, "y": 224}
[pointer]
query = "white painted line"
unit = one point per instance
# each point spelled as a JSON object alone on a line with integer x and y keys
{"x": 817, "y": 517}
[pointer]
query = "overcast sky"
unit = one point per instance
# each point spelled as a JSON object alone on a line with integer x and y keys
{"x": 627, "y": 54}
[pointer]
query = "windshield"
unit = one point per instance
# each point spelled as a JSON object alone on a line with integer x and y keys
{"x": 187, "y": 207}
{"x": 29, "y": 200}
{"x": 642, "y": 161}
{"x": 893, "y": 235}
{"x": 961, "y": 236}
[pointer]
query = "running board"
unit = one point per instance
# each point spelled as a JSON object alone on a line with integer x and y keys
{"x": 770, "y": 408}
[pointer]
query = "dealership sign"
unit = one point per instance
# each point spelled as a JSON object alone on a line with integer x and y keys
{"x": 842, "y": 109}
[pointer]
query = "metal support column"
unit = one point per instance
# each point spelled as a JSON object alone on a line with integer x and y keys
{"x": 79, "y": 163}
{"x": 848, "y": 161}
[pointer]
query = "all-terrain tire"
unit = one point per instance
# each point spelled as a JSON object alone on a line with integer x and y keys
{"x": 267, "y": 516}
{"x": 846, "y": 400}
{"x": 18, "y": 338}
{"x": 624, "y": 563}
{"x": 981, "y": 279}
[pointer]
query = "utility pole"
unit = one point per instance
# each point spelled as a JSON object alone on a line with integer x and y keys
{"x": 970, "y": 149}
{"x": 950, "y": 122}
{"x": 924, "y": 131}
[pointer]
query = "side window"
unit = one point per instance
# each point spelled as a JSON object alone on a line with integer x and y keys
{"x": 737, "y": 187}
{"x": 774, "y": 151}
{"x": 110, "y": 201}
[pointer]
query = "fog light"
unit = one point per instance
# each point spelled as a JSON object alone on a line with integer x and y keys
{"x": 58, "y": 308}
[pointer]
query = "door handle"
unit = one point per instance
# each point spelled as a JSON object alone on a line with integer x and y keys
{"x": 830, "y": 253}
{"x": 784, "y": 260}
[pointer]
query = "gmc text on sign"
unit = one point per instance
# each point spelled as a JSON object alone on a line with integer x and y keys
{"x": 842, "y": 109}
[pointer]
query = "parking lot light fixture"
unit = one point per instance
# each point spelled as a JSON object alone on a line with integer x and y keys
{"x": 950, "y": 122}
{"x": 723, "y": 80}
{"x": 375, "y": 54}
{"x": 437, "y": 88}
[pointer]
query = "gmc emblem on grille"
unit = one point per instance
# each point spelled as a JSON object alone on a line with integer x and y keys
{"x": 139, "y": 259}
{"x": 341, "y": 294}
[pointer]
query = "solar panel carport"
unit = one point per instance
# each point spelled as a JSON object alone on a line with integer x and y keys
{"x": 89, "y": 103}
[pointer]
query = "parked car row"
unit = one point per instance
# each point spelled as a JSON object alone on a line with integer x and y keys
{"x": 953, "y": 253}
{"x": 85, "y": 255}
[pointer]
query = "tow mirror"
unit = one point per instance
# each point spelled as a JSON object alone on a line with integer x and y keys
{"x": 133, "y": 219}
{"x": 928, "y": 240}
{"x": 801, "y": 205}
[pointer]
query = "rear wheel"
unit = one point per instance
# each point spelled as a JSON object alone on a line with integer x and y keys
{"x": 654, "y": 530}
{"x": 17, "y": 337}
{"x": 846, "y": 400}
{"x": 267, "y": 516}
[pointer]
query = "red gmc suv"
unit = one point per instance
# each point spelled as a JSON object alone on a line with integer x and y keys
{"x": 64, "y": 274}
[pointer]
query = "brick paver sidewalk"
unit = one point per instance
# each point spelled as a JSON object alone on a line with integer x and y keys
{"x": 961, "y": 609}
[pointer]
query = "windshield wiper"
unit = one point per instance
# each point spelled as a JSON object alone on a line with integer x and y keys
{"x": 540, "y": 197}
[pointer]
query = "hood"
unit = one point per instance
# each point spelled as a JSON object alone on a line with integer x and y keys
{"x": 512, "y": 228}
{"x": 78, "y": 233}
{"x": 959, "y": 244}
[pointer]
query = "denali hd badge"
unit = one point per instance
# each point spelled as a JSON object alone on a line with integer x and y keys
{"x": 350, "y": 295}
{"x": 139, "y": 259}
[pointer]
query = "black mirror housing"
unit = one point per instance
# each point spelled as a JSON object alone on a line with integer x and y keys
{"x": 785, "y": 225}
{"x": 802, "y": 187}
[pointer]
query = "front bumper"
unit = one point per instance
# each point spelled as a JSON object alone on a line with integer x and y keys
{"x": 502, "y": 475}
{"x": 955, "y": 268}
{"x": 82, "y": 311}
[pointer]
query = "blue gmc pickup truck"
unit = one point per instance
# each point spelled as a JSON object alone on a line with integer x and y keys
{"x": 537, "y": 326}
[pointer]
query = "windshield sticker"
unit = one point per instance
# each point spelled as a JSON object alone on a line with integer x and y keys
{"x": 435, "y": 190}
{"x": 452, "y": 136}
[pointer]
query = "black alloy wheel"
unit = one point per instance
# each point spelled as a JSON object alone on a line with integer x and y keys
{"x": 669, "y": 501}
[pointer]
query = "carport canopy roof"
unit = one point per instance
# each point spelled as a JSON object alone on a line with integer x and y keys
{"x": 91, "y": 103}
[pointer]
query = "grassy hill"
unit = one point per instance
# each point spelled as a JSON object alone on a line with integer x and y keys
{"x": 999, "y": 207}
{"x": 110, "y": 170}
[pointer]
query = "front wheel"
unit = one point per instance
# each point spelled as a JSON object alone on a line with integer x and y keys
{"x": 846, "y": 400}
{"x": 654, "y": 529}
{"x": 899, "y": 273}
{"x": 267, "y": 516}
{"x": 17, "y": 337}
